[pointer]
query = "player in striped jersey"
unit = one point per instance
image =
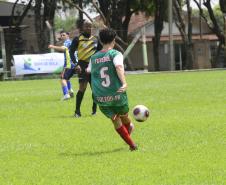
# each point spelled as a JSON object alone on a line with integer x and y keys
{"x": 85, "y": 45}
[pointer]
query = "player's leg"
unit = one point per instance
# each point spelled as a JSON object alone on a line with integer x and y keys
{"x": 82, "y": 87}
{"x": 122, "y": 113}
{"x": 79, "y": 97}
{"x": 69, "y": 74}
{"x": 65, "y": 89}
{"x": 126, "y": 121}
{"x": 122, "y": 131}
{"x": 64, "y": 86}
{"x": 119, "y": 127}
{"x": 94, "y": 107}
{"x": 69, "y": 86}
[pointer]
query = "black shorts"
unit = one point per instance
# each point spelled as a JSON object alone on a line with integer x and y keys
{"x": 68, "y": 73}
{"x": 83, "y": 76}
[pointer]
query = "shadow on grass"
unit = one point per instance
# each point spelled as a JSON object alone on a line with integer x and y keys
{"x": 92, "y": 153}
{"x": 72, "y": 116}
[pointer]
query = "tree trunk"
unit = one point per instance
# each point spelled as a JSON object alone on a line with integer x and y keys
{"x": 189, "y": 51}
{"x": 186, "y": 37}
{"x": 214, "y": 26}
{"x": 42, "y": 31}
{"x": 223, "y": 5}
{"x": 158, "y": 22}
{"x": 13, "y": 32}
{"x": 38, "y": 24}
{"x": 80, "y": 20}
{"x": 125, "y": 23}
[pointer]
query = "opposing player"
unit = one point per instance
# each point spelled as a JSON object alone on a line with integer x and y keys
{"x": 109, "y": 85}
{"x": 69, "y": 66}
{"x": 86, "y": 45}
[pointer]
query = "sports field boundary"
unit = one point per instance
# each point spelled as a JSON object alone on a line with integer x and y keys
{"x": 177, "y": 71}
{"x": 56, "y": 76}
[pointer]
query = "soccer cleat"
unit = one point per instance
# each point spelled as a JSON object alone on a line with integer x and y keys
{"x": 131, "y": 128}
{"x": 71, "y": 94}
{"x": 66, "y": 97}
{"x": 133, "y": 148}
{"x": 77, "y": 115}
{"x": 94, "y": 113}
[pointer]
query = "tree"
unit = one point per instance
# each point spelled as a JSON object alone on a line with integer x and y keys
{"x": 159, "y": 8}
{"x": 65, "y": 24}
{"x": 186, "y": 35}
{"x": 223, "y": 5}
{"x": 117, "y": 14}
{"x": 42, "y": 31}
{"x": 217, "y": 12}
{"x": 65, "y": 17}
{"x": 214, "y": 25}
{"x": 81, "y": 17}
{"x": 14, "y": 30}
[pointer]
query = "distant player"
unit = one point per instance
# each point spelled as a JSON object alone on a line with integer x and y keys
{"x": 85, "y": 45}
{"x": 109, "y": 85}
{"x": 69, "y": 66}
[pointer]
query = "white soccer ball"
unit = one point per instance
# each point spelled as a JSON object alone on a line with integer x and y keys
{"x": 140, "y": 113}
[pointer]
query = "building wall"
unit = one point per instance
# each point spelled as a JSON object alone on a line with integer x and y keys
{"x": 202, "y": 55}
{"x": 29, "y": 36}
{"x": 150, "y": 30}
{"x": 136, "y": 57}
{"x": 27, "y": 33}
{"x": 164, "y": 62}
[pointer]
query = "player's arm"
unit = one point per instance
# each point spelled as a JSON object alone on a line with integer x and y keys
{"x": 88, "y": 69}
{"x": 121, "y": 75}
{"x": 118, "y": 62}
{"x": 58, "y": 48}
{"x": 62, "y": 73}
{"x": 73, "y": 48}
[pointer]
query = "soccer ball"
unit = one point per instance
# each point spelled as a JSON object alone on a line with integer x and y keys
{"x": 140, "y": 113}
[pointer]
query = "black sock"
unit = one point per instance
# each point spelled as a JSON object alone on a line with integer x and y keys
{"x": 94, "y": 108}
{"x": 79, "y": 97}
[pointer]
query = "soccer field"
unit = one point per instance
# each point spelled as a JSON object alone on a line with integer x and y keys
{"x": 182, "y": 143}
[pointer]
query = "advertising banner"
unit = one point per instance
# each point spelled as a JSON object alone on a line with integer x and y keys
{"x": 38, "y": 63}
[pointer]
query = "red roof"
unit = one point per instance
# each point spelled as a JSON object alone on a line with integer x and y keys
{"x": 137, "y": 21}
{"x": 140, "y": 19}
{"x": 210, "y": 37}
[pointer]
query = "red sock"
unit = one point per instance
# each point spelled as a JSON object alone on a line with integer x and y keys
{"x": 122, "y": 131}
{"x": 127, "y": 126}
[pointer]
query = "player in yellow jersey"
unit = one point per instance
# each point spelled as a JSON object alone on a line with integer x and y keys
{"x": 85, "y": 45}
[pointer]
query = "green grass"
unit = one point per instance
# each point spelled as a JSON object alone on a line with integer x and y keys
{"x": 183, "y": 142}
